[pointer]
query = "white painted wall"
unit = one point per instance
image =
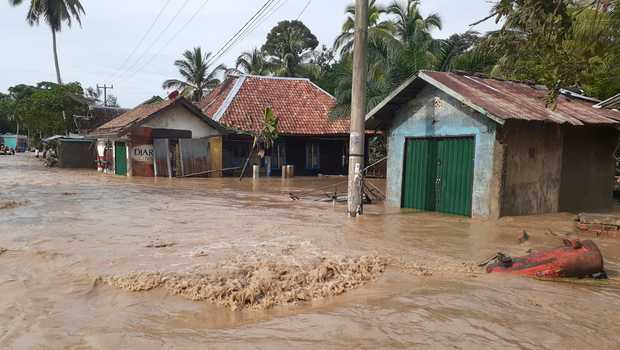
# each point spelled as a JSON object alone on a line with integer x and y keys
{"x": 180, "y": 118}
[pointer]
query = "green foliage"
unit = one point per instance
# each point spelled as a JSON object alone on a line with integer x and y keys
{"x": 198, "y": 75}
{"x": 289, "y": 38}
{"x": 559, "y": 43}
{"x": 7, "y": 124}
{"x": 269, "y": 133}
{"x": 39, "y": 109}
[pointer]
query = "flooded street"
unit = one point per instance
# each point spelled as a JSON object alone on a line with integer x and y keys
{"x": 103, "y": 262}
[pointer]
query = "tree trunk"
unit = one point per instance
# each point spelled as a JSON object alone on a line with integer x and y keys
{"x": 58, "y": 79}
{"x": 56, "y": 57}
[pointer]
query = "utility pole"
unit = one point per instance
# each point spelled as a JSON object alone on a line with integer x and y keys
{"x": 105, "y": 92}
{"x": 358, "y": 110}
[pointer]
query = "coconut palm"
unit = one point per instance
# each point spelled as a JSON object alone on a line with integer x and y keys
{"x": 380, "y": 32}
{"x": 54, "y": 13}
{"x": 198, "y": 76}
{"x": 410, "y": 26}
{"x": 253, "y": 62}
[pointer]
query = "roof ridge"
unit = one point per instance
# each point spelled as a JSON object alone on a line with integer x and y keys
{"x": 271, "y": 77}
{"x": 229, "y": 99}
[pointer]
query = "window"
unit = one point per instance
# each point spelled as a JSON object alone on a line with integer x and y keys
{"x": 279, "y": 156}
{"x": 312, "y": 156}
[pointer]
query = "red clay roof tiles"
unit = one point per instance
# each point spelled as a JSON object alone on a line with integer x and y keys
{"x": 302, "y": 108}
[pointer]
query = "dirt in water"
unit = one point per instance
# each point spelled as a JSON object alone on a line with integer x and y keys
{"x": 12, "y": 204}
{"x": 260, "y": 285}
{"x": 131, "y": 263}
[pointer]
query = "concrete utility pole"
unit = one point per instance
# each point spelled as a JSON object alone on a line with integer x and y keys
{"x": 358, "y": 110}
{"x": 105, "y": 92}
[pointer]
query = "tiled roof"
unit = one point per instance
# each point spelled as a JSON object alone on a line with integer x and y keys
{"x": 302, "y": 108}
{"x": 140, "y": 114}
{"x": 499, "y": 100}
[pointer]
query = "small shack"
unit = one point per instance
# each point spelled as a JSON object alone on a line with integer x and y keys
{"x": 473, "y": 146}
{"x": 18, "y": 142}
{"x": 73, "y": 151}
{"x": 165, "y": 139}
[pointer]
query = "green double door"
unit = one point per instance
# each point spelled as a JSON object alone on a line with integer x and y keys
{"x": 439, "y": 174}
{"x": 120, "y": 158}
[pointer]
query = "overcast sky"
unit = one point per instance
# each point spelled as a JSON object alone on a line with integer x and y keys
{"x": 111, "y": 29}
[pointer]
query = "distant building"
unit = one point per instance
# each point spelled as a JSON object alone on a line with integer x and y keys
{"x": 18, "y": 142}
{"x": 73, "y": 151}
{"x": 310, "y": 140}
{"x": 96, "y": 117}
{"x": 474, "y": 146}
{"x": 167, "y": 138}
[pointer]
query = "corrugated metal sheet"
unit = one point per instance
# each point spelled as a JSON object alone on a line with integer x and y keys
{"x": 499, "y": 100}
{"x": 161, "y": 155}
{"x": 612, "y": 103}
{"x": 194, "y": 156}
{"x": 516, "y": 100}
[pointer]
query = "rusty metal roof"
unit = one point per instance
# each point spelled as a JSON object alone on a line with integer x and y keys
{"x": 499, "y": 100}
{"x": 611, "y": 103}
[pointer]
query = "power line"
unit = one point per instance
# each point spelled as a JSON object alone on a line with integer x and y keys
{"x": 304, "y": 9}
{"x": 245, "y": 29}
{"x": 158, "y": 37}
{"x": 172, "y": 38}
{"x": 276, "y": 6}
{"x": 141, "y": 41}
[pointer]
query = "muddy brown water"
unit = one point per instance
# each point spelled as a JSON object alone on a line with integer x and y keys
{"x": 65, "y": 230}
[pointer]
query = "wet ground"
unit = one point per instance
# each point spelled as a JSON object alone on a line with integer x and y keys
{"x": 69, "y": 235}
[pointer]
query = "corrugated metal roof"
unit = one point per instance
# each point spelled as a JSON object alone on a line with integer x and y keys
{"x": 499, "y": 100}
{"x": 302, "y": 107}
{"x": 611, "y": 103}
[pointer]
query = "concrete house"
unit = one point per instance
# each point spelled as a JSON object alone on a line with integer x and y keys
{"x": 474, "y": 146}
{"x": 310, "y": 139}
{"x": 165, "y": 138}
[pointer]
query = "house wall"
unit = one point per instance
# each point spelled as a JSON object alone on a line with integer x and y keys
{"x": 435, "y": 114}
{"x": 588, "y": 168}
{"x": 532, "y": 167}
{"x": 180, "y": 118}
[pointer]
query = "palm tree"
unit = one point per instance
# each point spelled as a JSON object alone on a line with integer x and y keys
{"x": 253, "y": 62}
{"x": 379, "y": 32}
{"x": 410, "y": 26}
{"x": 199, "y": 78}
{"x": 54, "y": 13}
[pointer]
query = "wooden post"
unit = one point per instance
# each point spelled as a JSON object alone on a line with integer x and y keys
{"x": 358, "y": 110}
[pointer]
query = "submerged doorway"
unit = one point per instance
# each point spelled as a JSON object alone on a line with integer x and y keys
{"x": 439, "y": 174}
{"x": 120, "y": 158}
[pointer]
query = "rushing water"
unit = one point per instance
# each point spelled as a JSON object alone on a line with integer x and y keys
{"x": 64, "y": 230}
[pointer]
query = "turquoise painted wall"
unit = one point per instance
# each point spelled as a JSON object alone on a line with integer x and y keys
{"x": 435, "y": 114}
{"x": 10, "y": 141}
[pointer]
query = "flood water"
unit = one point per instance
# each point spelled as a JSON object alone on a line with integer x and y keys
{"x": 67, "y": 232}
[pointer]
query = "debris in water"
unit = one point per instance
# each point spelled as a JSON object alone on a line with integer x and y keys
{"x": 200, "y": 253}
{"x": 261, "y": 285}
{"x": 524, "y": 237}
{"x": 11, "y": 204}
{"x": 160, "y": 244}
{"x": 3, "y": 250}
{"x": 575, "y": 259}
